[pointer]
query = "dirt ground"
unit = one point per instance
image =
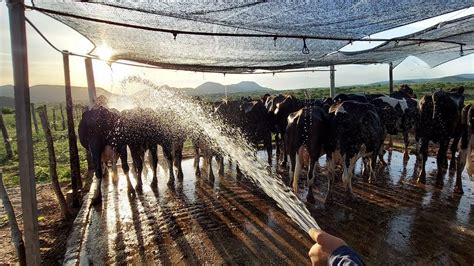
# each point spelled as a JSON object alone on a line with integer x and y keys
{"x": 53, "y": 229}
{"x": 196, "y": 221}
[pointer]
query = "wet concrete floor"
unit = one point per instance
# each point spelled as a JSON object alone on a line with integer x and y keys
{"x": 393, "y": 221}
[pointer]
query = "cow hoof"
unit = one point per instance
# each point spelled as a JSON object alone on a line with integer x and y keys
{"x": 96, "y": 201}
{"x": 310, "y": 199}
{"x": 458, "y": 190}
{"x": 421, "y": 180}
{"x": 154, "y": 182}
{"x": 329, "y": 199}
{"x": 139, "y": 188}
{"x": 130, "y": 190}
{"x": 452, "y": 166}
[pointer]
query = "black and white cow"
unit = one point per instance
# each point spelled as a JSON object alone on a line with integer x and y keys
{"x": 410, "y": 116}
{"x": 440, "y": 121}
{"x": 391, "y": 112}
{"x": 355, "y": 131}
{"x": 306, "y": 133}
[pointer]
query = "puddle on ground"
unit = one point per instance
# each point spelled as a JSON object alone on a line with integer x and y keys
{"x": 196, "y": 221}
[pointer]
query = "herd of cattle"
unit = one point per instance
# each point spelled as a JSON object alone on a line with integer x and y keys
{"x": 346, "y": 128}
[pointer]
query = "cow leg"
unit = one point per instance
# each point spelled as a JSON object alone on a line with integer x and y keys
{"x": 137, "y": 156}
{"x": 348, "y": 169}
{"x": 463, "y": 154}
{"x": 126, "y": 169}
{"x": 372, "y": 164}
{"x": 239, "y": 173}
{"x": 154, "y": 164}
{"x": 277, "y": 144}
{"x": 210, "y": 172}
{"x": 382, "y": 151}
{"x": 267, "y": 142}
{"x": 423, "y": 153}
{"x": 311, "y": 176}
{"x": 406, "y": 140}
{"x": 96, "y": 153}
{"x": 469, "y": 164}
{"x": 124, "y": 159}
{"x": 167, "y": 152}
{"x": 442, "y": 162}
{"x": 331, "y": 166}
{"x": 178, "y": 157}
{"x": 454, "y": 148}
{"x": 197, "y": 158}
{"x": 285, "y": 151}
{"x": 297, "y": 168}
{"x": 220, "y": 164}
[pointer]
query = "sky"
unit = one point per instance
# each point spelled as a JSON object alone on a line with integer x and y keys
{"x": 45, "y": 64}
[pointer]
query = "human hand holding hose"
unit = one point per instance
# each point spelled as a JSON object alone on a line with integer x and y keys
{"x": 331, "y": 250}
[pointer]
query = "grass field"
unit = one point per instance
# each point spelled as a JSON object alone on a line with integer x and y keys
{"x": 10, "y": 168}
{"x": 61, "y": 145}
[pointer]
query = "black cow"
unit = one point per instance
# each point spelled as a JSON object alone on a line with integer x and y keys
{"x": 259, "y": 125}
{"x": 145, "y": 130}
{"x": 468, "y": 117}
{"x": 306, "y": 132}
{"x": 99, "y": 130}
{"x": 202, "y": 145}
{"x": 392, "y": 112}
{"x": 355, "y": 131}
{"x": 440, "y": 121}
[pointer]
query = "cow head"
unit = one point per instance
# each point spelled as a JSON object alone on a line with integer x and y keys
{"x": 407, "y": 90}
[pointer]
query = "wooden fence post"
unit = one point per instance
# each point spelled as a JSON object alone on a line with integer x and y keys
{"x": 6, "y": 138}
{"x": 17, "y": 237}
{"x": 76, "y": 181}
{"x": 33, "y": 114}
{"x": 52, "y": 163}
{"x": 29, "y": 204}
{"x": 62, "y": 117}
{"x": 54, "y": 119}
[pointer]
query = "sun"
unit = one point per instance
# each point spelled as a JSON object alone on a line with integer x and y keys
{"x": 104, "y": 52}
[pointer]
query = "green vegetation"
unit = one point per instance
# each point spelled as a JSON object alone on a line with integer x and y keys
{"x": 61, "y": 146}
{"x": 10, "y": 168}
{"x": 420, "y": 89}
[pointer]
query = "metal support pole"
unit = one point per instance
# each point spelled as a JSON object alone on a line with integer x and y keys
{"x": 332, "y": 77}
{"x": 29, "y": 204}
{"x": 76, "y": 181}
{"x": 390, "y": 76}
{"x": 90, "y": 82}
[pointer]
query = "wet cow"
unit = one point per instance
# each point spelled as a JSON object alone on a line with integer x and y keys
{"x": 440, "y": 121}
{"x": 145, "y": 129}
{"x": 100, "y": 134}
{"x": 306, "y": 132}
{"x": 259, "y": 125}
{"x": 355, "y": 131}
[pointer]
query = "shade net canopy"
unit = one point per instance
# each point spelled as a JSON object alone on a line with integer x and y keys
{"x": 327, "y": 24}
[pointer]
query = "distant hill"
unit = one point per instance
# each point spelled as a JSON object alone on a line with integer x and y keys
{"x": 455, "y": 78}
{"x": 51, "y": 93}
{"x": 7, "y": 102}
{"x": 217, "y": 88}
